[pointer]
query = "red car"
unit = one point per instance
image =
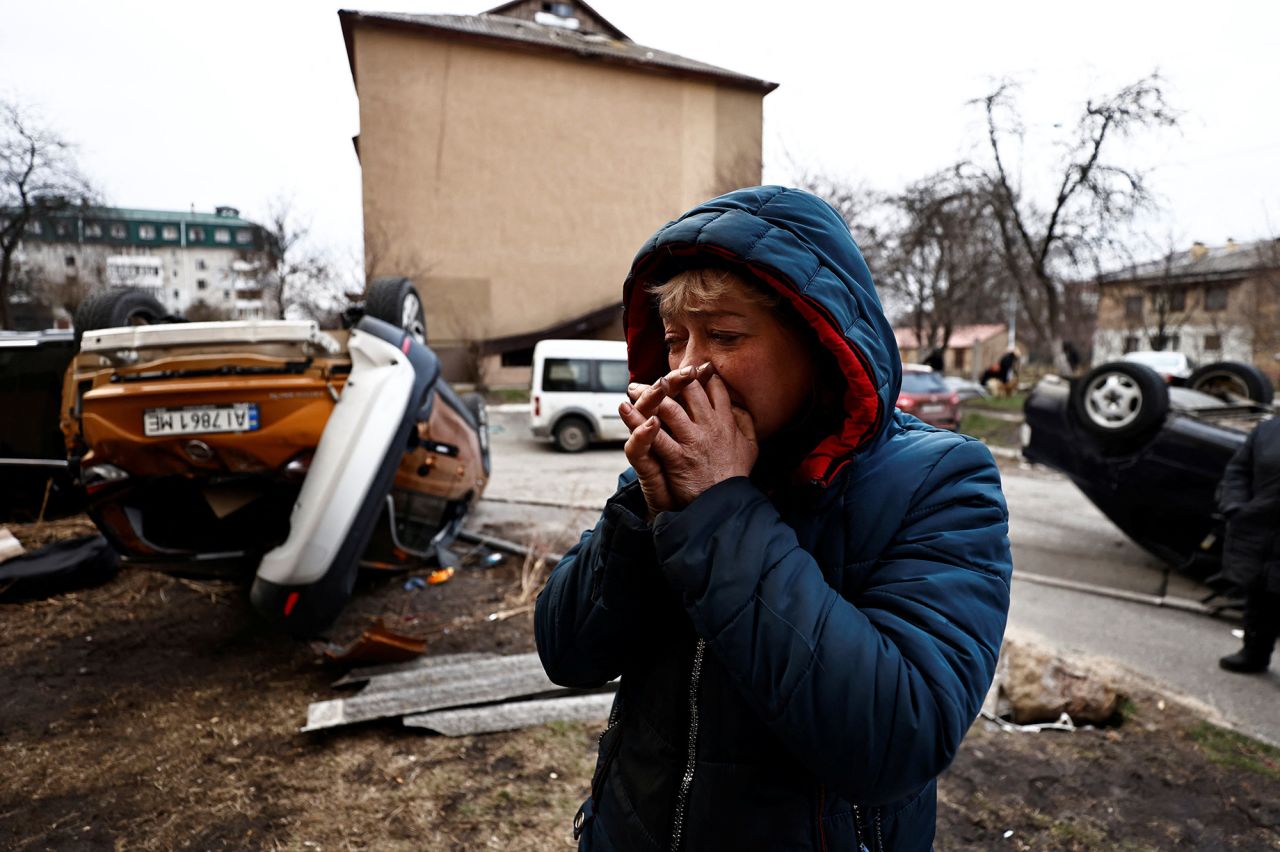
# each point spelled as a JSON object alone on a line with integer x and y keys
{"x": 925, "y": 395}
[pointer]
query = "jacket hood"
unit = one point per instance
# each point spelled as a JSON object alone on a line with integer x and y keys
{"x": 797, "y": 244}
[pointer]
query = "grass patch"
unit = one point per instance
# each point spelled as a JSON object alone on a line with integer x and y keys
{"x": 997, "y": 403}
{"x": 990, "y": 430}
{"x": 498, "y": 396}
{"x": 1236, "y": 751}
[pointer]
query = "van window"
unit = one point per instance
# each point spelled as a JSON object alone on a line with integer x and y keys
{"x": 566, "y": 374}
{"x": 614, "y": 376}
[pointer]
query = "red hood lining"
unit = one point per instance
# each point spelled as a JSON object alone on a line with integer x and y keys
{"x": 647, "y": 356}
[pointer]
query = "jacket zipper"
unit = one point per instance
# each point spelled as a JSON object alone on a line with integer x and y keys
{"x": 863, "y": 835}
{"x": 686, "y": 781}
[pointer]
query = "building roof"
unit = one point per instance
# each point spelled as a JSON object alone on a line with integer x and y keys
{"x": 964, "y": 337}
{"x": 594, "y": 20}
{"x": 502, "y": 31}
{"x": 1203, "y": 263}
{"x": 135, "y": 214}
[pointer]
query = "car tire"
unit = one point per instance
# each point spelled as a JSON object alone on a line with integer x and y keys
{"x": 1119, "y": 400}
{"x": 475, "y": 404}
{"x": 117, "y": 308}
{"x": 572, "y": 435}
{"x": 1227, "y": 379}
{"x": 396, "y": 300}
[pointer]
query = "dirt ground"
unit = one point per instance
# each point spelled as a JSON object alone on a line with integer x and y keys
{"x": 152, "y": 712}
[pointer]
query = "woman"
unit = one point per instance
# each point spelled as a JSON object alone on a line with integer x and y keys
{"x": 803, "y": 590}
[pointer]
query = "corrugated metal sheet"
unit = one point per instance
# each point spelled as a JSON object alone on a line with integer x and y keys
{"x": 514, "y": 715}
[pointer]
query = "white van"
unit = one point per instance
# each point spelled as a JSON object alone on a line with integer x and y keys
{"x": 576, "y": 389}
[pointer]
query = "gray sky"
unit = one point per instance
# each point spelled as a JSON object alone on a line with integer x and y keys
{"x": 179, "y": 103}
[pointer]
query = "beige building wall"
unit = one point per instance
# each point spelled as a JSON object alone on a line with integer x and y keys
{"x": 516, "y": 186}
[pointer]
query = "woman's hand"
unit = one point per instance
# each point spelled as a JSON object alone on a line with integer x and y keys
{"x": 646, "y": 432}
{"x": 710, "y": 439}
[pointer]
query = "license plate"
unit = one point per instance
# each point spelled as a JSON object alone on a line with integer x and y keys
{"x": 200, "y": 419}
{"x": 932, "y": 409}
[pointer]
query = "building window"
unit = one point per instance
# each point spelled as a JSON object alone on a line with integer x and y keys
{"x": 200, "y": 264}
{"x": 175, "y": 292}
{"x": 244, "y": 236}
{"x": 202, "y": 284}
{"x": 222, "y": 235}
{"x": 518, "y": 358}
{"x": 1212, "y": 342}
{"x": 169, "y": 232}
{"x": 119, "y": 231}
{"x": 33, "y": 227}
{"x": 1131, "y": 343}
{"x": 146, "y": 232}
{"x": 195, "y": 234}
{"x": 60, "y": 228}
{"x": 1177, "y": 299}
{"x": 1133, "y": 308}
{"x": 226, "y": 294}
{"x": 92, "y": 229}
{"x": 1215, "y": 298}
{"x": 70, "y": 260}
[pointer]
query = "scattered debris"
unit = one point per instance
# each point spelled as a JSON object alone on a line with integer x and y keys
{"x": 458, "y": 684}
{"x": 9, "y": 545}
{"x": 58, "y": 567}
{"x": 378, "y": 643}
{"x": 366, "y": 673}
{"x": 514, "y": 714}
{"x": 1035, "y": 686}
{"x": 1064, "y": 723}
{"x": 441, "y": 575}
{"x": 414, "y": 583}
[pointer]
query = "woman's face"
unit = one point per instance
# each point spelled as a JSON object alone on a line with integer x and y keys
{"x": 767, "y": 364}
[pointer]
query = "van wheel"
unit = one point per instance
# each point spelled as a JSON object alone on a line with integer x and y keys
{"x": 396, "y": 300}
{"x": 572, "y": 435}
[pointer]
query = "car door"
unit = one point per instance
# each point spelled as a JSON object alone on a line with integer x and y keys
{"x": 611, "y": 390}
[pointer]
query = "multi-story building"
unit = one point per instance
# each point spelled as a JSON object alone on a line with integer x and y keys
{"x": 514, "y": 161}
{"x": 1212, "y": 303}
{"x": 187, "y": 260}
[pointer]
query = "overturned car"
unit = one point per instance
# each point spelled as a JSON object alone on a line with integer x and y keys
{"x": 1147, "y": 453}
{"x": 274, "y": 449}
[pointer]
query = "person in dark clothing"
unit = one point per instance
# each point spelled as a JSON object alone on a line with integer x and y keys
{"x": 1249, "y": 496}
{"x": 803, "y": 589}
{"x": 1072, "y": 354}
{"x": 935, "y": 361}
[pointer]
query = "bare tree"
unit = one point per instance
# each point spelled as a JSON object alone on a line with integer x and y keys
{"x": 294, "y": 277}
{"x": 38, "y": 173}
{"x": 1045, "y": 244}
{"x": 940, "y": 256}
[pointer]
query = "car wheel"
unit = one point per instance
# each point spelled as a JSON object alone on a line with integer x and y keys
{"x": 572, "y": 435}
{"x": 117, "y": 308}
{"x": 1120, "y": 400}
{"x": 1229, "y": 379}
{"x": 396, "y": 300}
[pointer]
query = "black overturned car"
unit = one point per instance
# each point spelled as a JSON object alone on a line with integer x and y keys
{"x": 1147, "y": 453}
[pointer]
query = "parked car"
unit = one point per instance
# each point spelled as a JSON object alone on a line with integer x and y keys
{"x": 575, "y": 391}
{"x": 1147, "y": 454}
{"x": 275, "y": 450}
{"x": 965, "y": 389}
{"x": 925, "y": 395}
{"x": 1170, "y": 365}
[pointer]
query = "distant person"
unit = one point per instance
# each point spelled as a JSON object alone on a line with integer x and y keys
{"x": 1072, "y": 354}
{"x": 1009, "y": 372}
{"x": 992, "y": 379}
{"x": 1250, "y": 498}
{"x": 802, "y": 589}
{"x": 935, "y": 361}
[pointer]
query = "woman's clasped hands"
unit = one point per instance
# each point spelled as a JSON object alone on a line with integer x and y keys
{"x": 686, "y": 436}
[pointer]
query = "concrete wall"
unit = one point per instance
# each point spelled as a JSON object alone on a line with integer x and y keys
{"x": 515, "y": 187}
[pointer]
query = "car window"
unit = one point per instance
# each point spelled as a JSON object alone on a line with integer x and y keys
{"x": 922, "y": 383}
{"x": 614, "y": 376}
{"x": 566, "y": 374}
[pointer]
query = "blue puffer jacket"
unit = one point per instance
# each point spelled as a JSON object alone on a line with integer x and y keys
{"x": 797, "y": 667}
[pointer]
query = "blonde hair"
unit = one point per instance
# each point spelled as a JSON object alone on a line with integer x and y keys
{"x": 693, "y": 290}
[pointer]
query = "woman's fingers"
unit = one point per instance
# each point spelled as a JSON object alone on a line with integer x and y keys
{"x": 745, "y": 424}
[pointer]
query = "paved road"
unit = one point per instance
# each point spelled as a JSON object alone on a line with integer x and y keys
{"x": 1054, "y": 530}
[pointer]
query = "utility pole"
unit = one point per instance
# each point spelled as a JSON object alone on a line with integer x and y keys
{"x": 1013, "y": 319}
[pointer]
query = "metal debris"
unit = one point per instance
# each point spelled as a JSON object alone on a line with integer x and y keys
{"x": 514, "y": 714}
